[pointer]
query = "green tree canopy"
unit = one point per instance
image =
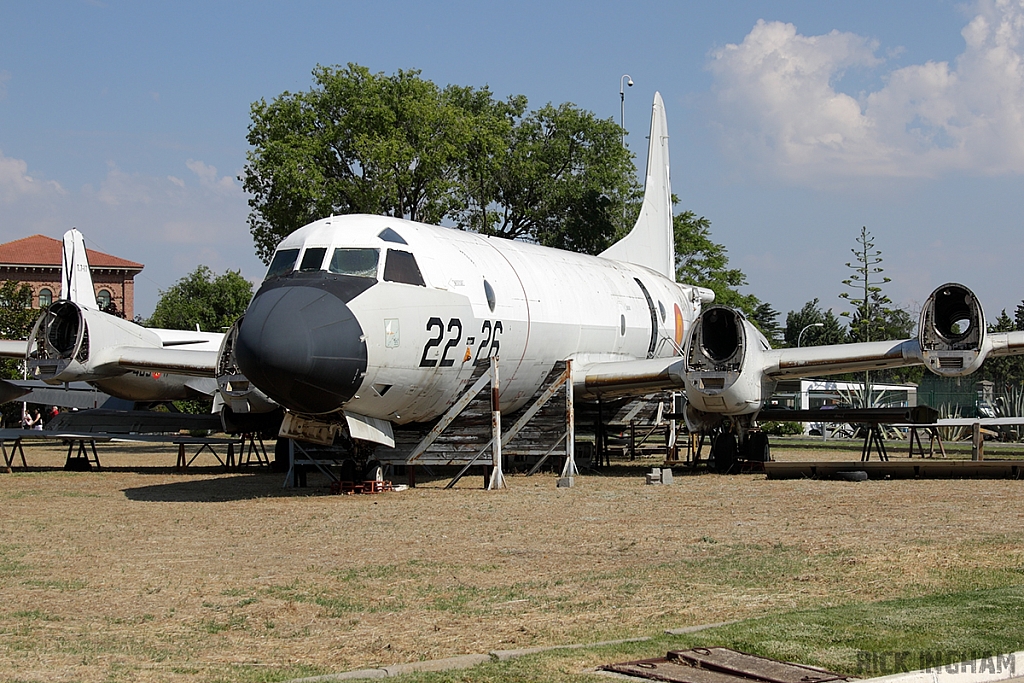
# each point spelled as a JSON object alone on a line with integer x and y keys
{"x": 702, "y": 262}
{"x": 558, "y": 176}
{"x": 1007, "y": 370}
{"x": 213, "y": 302}
{"x": 873, "y": 318}
{"x": 398, "y": 145}
{"x": 822, "y": 326}
{"x": 766, "y": 319}
{"x": 16, "y": 319}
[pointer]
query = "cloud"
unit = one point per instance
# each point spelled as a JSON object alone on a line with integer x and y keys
{"x": 15, "y": 182}
{"x": 208, "y": 177}
{"x": 171, "y": 224}
{"x": 780, "y": 107}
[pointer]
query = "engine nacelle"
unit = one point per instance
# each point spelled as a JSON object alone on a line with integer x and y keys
{"x": 71, "y": 343}
{"x": 723, "y": 363}
{"x": 233, "y": 388}
{"x": 951, "y": 332}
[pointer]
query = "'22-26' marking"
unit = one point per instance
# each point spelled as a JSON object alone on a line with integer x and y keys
{"x": 488, "y": 347}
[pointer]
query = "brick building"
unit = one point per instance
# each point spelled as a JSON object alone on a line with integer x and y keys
{"x": 36, "y": 261}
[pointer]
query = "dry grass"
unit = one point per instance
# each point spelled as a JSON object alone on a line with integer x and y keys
{"x": 150, "y": 575}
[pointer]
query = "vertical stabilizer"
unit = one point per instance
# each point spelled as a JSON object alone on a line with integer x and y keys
{"x": 76, "y": 280}
{"x": 650, "y": 242}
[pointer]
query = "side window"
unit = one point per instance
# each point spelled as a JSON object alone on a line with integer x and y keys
{"x": 401, "y": 267}
{"x": 103, "y": 299}
{"x": 313, "y": 259}
{"x": 356, "y": 262}
{"x": 283, "y": 263}
{"x": 45, "y": 297}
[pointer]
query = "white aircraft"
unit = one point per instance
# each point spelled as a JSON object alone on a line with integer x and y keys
{"x": 74, "y": 341}
{"x": 364, "y": 322}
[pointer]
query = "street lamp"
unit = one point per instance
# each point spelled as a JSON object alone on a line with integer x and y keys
{"x": 622, "y": 105}
{"x": 800, "y": 336}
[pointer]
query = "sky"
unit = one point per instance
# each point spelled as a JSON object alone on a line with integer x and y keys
{"x": 792, "y": 123}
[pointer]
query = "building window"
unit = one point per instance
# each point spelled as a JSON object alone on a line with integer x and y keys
{"x": 45, "y": 297}
{"x": 103, "y": 299}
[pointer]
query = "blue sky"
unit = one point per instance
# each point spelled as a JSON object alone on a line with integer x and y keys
{"x": 793, "y": 123}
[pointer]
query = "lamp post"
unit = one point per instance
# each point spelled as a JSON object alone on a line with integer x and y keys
{"x": 622, "y": 105}
{"x": 800, "y": 336}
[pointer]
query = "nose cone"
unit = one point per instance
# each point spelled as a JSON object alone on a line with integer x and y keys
{"x": 303, "y": 347}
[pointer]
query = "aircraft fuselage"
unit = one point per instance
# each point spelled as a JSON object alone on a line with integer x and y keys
{"x": 389, "y": 318}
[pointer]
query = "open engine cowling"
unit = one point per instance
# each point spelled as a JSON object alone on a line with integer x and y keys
{"x": 70, "y": 343}
{"x": 952, "y": 331}
{"x": 717, "y": 354}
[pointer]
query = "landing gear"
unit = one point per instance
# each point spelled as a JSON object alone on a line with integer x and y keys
{"x": 757, "y": 448}
{"x": 724, "y": 451}
{"x": 349, "y": 470}
{"x": 374, "y": 471}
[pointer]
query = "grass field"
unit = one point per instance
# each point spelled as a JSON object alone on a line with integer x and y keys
{"x": 144, "y": 574}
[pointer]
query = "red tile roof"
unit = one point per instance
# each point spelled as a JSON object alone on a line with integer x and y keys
{"x": 40, "y": 250}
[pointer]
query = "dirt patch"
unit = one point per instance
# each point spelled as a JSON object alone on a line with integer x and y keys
{"x": 146, "y": 574}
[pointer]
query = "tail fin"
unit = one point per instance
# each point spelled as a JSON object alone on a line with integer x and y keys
{"x": 76, "y": 280}
{"x": 650, "y": 243}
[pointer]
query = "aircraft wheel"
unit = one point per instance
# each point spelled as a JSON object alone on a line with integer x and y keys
{"x": 374, "y": 471}
{"x": 280, "y": 463}
{"x": 724, "y": 452}
{"x": 758, "y": 448}
{"x": 349, "y": 470}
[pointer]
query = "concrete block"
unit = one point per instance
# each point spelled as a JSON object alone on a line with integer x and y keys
{"x": 565, "y": 482}
{"x": 666, "y": 475}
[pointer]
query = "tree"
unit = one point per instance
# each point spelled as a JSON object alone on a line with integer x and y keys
{"x": 872, "y": 313}
{"x": 16, "y": 320}
{"x": 560, "y": 178}
{"x": 200, "y": 298}
{"x": 822, "y": 327}
{"x": 873, "y": 319}
{"x": 1007, "y": 370}
{"x": 765, "y": 318}
{"x": 702, "y": 262}
{"x": 359, "y": 142}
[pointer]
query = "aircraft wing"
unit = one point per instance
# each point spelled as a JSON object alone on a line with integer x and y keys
{"x": 1006, "y": 343}
{"x": 635, "y": 377}
{"x": 13, "y": 348}
{"x": 836, "y": 359}
{"x": 840, "y": 358}
{"x": 181, "y": 361}
{"x": 631, "y": 377}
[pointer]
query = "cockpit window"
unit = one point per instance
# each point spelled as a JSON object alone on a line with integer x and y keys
{"x": 312, "y": 259}
{"x": 401, "y": 267}
{"x": 357, "y": 262}
{"x": 284, "y": 262}
{"x": 389, "y": 235}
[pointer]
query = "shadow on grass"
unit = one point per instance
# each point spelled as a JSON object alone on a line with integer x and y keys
{"x": 226, "y": 488}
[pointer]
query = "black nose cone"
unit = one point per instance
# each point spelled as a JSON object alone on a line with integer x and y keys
{"x": 302, "y": 347}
